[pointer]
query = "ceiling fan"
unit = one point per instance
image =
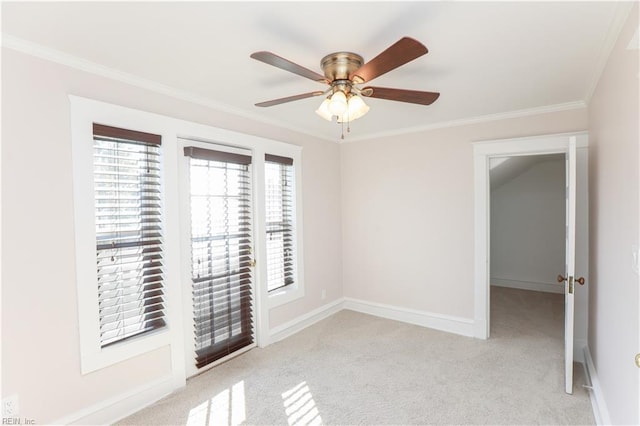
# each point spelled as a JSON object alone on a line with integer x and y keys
{"x": 344, "y": 72}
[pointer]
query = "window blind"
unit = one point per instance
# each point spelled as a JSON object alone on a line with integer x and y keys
{"x": 221, "y": 252}
{"x": 279, "y": 221}
{"x": 128, "y": 218}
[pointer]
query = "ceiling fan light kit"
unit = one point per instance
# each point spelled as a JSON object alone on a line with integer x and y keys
{"x": 354, "y": 108}
{"x": 343, "y": 71}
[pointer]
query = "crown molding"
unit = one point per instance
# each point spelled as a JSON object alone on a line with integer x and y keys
{"x": 475, "y": 120}
{"x": 56, "y": 56}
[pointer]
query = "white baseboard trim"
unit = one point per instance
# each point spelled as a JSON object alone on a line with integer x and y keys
{"x": 123, "y": 405}
{"x": 300, "y": 323}
{"x": 598, "y": 403}
{"x": 450, "y": 324}
{"x": 528, "y": 285}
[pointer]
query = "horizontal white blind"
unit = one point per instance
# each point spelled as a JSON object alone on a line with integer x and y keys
{"x": 128, "y": 217}
{"x": 279, "y": 221}
{"x": 221, "y": 252}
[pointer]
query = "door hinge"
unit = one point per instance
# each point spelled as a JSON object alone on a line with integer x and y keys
{"x": 570, "y": 285}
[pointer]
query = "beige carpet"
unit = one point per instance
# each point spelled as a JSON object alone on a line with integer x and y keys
{"x": 358, "y": 369}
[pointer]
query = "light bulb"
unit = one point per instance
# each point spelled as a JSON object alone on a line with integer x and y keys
{"x": 338, "y": 104}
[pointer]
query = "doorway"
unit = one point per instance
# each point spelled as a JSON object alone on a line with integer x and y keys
{"x": 218, "y": 301}
{"x": 527, "y": 251}
{"x": 527, "y": 244}
{"x": 527, "y": 220}
{"x": 575, "y": 337}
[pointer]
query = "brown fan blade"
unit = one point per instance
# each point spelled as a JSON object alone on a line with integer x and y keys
{"x": 287, "y": 65}
{"x": 289, "y": 99}
{"x": 404, "y": 50}
{"x": 401, "y": 95}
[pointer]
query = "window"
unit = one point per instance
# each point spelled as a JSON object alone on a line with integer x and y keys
{"x": 128, "y": 229}
{"x": 133, "y": 245}
{"x": 221, "y": 252}
{"x": 279, "y": 202}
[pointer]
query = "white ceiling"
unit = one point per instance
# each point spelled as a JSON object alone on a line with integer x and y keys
{"x": 485, "y": 58}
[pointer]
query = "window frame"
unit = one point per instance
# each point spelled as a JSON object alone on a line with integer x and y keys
{"x": 93, "y": 357}
{"x": 295, "y": 290}
{"x": 83, "y": 113}
{"x": 286, "y": 173}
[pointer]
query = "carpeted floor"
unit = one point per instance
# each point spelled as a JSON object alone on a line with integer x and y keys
{"x": 357, "y": 369}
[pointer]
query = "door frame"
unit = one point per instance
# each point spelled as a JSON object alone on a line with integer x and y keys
{"x": 185, "y": 237}
{"x": 483, "y": 151}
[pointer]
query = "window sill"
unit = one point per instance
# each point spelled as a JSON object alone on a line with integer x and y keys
{"x": 96, "y": 358}
{"x": 285, "y": 295}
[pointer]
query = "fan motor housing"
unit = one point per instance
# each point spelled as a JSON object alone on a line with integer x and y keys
{"x": 338, "y": 65}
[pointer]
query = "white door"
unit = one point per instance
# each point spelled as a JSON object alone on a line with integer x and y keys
{"x": 570, "y": 262}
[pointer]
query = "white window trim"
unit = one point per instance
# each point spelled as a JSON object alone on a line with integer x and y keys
{"x": 84, "y": 112}
{"x": 213, "y": 138}
{"x": 293, "y": 291}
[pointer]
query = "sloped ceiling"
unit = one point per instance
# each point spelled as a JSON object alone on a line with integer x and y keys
{"x": 487, "y": 59}
{"x": 505, "y": 169}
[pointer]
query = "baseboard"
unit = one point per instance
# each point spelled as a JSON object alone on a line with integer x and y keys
{"x": 598, "y": 403}
{"x": 123, "y": 405}
{"x": 450, "y": 324}
{"x": 528, "y": 285}
{"x": 300, "y": 323}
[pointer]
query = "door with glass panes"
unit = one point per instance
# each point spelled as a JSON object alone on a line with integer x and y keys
{"x": 218, "y": 299}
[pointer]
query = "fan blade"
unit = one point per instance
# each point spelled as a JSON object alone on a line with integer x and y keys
{"x": 401, "y": 95}
{"x": 287, "y": 65}
{"x": 404, "y": 50}
{"x": 289, "y": 99}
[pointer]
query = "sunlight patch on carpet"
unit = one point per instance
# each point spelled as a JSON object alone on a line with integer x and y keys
{"x": 300, "y": 407}
{"x": 227, "y": 407}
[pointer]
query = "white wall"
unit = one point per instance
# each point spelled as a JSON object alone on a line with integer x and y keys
{"x": 407, "y": 213}
{"x": 528, "y": 228}
{"x": 614, "y": 213}
{"x": 39, "y": 304}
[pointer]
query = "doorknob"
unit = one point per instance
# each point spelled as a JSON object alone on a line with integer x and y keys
{"x": 579, "y": 280}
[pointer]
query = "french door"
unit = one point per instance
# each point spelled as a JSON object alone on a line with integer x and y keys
{"x": 219, "y": 300}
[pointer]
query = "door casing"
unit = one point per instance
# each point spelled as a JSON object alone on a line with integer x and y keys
{"x": 534, "y": 145}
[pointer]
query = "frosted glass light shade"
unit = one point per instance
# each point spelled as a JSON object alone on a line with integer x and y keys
{"x": 356, "y": 109}
{"x": 323, "y": 110}
{"x": 338, "y": 104}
